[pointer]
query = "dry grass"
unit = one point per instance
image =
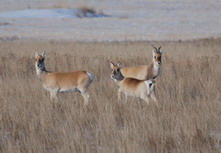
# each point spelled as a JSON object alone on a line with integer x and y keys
{"x": 85, "y": 11}
{"x": 188, "y": 89}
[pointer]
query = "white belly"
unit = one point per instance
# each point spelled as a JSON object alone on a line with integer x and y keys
{"x": 69, "y": 90}
{"x": 73, "y": 89}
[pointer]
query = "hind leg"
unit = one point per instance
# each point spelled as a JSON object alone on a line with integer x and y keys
{"x": 145, "y": 98}
{"x": 86, "y": 96}
{"x": 154, "y": 98}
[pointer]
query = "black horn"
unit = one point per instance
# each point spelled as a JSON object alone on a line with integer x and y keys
{"x": 159, "y": 49}
{"x": 154, "y": 47}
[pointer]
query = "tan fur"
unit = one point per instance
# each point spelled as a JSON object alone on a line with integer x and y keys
{"x": 57, "y": 82}
{"x": 145, "y": 72}
{"x": 132, "y": 87}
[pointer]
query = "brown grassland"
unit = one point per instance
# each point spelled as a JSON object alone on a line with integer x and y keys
{"x": 188, "y": 90}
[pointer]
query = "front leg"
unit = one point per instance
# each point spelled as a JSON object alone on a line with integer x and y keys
{"x": 86, "y": 97}
{"x": 53, "y": 95}
{"x": 119, "y": 95}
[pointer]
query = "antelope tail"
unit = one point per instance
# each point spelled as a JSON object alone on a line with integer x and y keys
{"x": 91, "y": 76}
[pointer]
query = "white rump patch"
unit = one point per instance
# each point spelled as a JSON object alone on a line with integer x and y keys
{"x": 148, "y": 82}
{"x": 91, "y": 76}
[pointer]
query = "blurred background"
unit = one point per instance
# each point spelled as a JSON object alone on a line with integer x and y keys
{"x": 104, "y": 20}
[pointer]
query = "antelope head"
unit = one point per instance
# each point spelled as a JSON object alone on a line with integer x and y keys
{"x": 157, "y": 53}
{"x": 116, "y": 74}
{"x": 39, "y": 61}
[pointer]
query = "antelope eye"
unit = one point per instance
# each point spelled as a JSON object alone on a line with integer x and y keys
{"x": 118, "y": 70}
{"x": 155, "y": 57}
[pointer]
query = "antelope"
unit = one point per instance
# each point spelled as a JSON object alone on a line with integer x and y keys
{"x": 58, "y": 82}
{"x": 143, "y": 89}
{"x": 145, "y": 72}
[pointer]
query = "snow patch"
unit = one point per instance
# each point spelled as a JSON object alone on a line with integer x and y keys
{"x": 51, "y": 13}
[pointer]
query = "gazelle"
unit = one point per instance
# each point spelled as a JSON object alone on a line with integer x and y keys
{"x": 132, "y": 87}
{"x": 57, "y": 82}
{"x": 145, "y": 72}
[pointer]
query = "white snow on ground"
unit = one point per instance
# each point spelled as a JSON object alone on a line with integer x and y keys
{"x": 47, "y": 13}
{"x": 127, "y": 20}
{"x": 40, "y": 13}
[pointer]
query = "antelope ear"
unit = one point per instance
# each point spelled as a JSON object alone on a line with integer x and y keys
{"x": 161, "y": 51}
{"x": 119, "y": 65}
{"x": 112, "y": 65}
{"x": 36, "y": 54}
{"x": 43, "y": 54}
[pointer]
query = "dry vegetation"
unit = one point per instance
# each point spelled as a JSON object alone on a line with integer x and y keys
{"x": 188, "y": 89}
{"x": 85, "y": 11}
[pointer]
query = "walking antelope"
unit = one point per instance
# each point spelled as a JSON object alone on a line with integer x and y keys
{"x": 57, "y": 82}
{"x": 132, "y": 87}
{"x": 145, "y": 72}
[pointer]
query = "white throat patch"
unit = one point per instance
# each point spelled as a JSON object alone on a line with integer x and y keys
{"x": 156, "y": 68}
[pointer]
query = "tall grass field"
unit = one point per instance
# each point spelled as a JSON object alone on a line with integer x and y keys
{"x": 187, "y": 120}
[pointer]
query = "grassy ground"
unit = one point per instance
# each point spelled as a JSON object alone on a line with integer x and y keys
{"x": 188, "y": 91}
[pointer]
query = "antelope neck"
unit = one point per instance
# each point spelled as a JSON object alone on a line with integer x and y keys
{"x": 40, "y": 71}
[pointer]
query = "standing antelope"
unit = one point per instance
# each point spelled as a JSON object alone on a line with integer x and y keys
{"x": 132, "y": 87}
{"x": 145, "y": 72}
{"x": 57, "y": 82}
